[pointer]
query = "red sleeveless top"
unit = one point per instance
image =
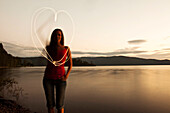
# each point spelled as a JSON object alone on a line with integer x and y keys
{"x": 56, "y": 72}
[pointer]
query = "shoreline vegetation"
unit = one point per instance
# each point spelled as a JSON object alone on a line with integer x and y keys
{"x": 10, "y": 88}
{"x": 10, "y": 92}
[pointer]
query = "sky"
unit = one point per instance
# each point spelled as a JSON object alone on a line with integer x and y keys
{"x": 135, "y": 28}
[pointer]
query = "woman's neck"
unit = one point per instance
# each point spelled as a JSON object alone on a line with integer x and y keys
{"x": 58, "y": 44}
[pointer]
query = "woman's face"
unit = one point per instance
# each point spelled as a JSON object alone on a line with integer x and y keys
{"x": 58, "y": 36}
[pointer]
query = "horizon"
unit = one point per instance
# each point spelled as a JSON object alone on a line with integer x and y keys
{"x": 73, "y": 53}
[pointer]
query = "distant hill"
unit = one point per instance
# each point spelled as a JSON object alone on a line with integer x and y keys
{"x": 123, "y": 60}
{"x": 102, "y": 61}
{"x": 41, "y": 61}
{"x": 7, "y": 60}
{"x": 34, "y": 61}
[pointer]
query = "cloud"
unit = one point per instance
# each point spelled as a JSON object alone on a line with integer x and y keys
{"x": 20, "y": 51}
{"x": 136, "y": 41}
{"x": 166, "y": 49}
{"x": 124, "y": 51}
{"x": 156, "y": 54}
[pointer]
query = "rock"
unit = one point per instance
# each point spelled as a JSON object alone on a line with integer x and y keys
{"x": 9, "y": 106}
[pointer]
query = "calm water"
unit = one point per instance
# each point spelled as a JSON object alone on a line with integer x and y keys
{"x": 103, "y": 89}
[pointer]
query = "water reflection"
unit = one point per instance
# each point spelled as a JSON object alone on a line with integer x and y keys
{"x": 120, "y": 90}
{"x": 116, "y": 89}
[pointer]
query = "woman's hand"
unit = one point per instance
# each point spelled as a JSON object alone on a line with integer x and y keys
{"x": 63, "y": 78}
{"x": 55, "y": 63}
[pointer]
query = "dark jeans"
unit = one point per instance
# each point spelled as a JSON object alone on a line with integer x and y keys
{"x": 49, "y": 85}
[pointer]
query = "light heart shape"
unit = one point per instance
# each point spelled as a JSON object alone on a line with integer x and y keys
{"x": 35, "y": 35}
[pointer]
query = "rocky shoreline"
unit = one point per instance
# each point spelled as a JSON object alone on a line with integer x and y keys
{"x": 10, "y": 106}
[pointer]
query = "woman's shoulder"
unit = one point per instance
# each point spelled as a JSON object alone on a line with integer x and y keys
{"x": 66, "y": 47}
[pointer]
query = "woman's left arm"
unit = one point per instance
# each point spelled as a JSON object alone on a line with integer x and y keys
{"x": 69, "y": 65}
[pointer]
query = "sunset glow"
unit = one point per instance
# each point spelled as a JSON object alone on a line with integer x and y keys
{"x": 138, "y": 28}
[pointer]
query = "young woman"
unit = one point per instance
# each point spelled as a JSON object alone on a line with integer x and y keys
{"x": 55, "y": 76}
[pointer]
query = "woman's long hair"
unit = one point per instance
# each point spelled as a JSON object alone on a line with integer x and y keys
{"x": 52, "y": 47}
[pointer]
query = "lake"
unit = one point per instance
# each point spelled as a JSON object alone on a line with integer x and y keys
{"x": 98, "y": 89}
